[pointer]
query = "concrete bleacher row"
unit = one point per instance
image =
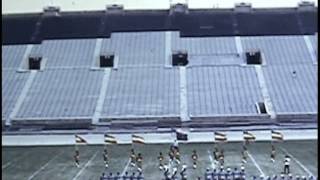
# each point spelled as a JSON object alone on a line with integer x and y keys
{"x": 144, "y": 85}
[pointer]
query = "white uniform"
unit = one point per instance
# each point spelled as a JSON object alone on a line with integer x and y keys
{"x": 287, "y": 161}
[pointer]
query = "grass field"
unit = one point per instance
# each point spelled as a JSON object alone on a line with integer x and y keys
{"x": 56, "y": 162}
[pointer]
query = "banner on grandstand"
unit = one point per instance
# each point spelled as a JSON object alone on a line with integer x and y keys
{"x": 181, "y": 135}
{"x": 276, "y": 136}
{"x": 220, "y": 137}
{"x": 137, "y": 139}
{"x": 108, "y": 139}
{"x": 80, "y": 140}
{"x": 248, "y": 136}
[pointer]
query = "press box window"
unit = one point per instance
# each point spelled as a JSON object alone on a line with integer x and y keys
{"x": 35, "y": 62}
{"x": 179, "y": 58}
{"x": 261, "y": 108}
{"x": 106, "y": 60}
{"x": 254, "y": 57}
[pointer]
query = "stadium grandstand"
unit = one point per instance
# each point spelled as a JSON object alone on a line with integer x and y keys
{"x": 168, "y": 91}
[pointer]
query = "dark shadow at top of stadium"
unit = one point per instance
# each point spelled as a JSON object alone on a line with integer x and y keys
{"x": 34, "y": 28}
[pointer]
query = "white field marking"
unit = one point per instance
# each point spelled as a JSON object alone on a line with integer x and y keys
{"x": 297, "y": 161}
{"x": 102, "y": 95}
{"x": 256, "y": 164}
{"x": 14, "y": 160}
{"x": 84, "y": 167}
{"x": 126, "y": 167}
{"x": 6, "y": 165}
{"x": 43, "y": 167}
{"x": 211, "y": 160}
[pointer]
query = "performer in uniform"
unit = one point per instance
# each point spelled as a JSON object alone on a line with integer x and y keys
{"x": 140, "y": 176}
{"x": 171, "y": 155}
{"x": 286, "y": 168}
{"x": 133, "y": 158}
{"x": 166, "y": 172}
{"x": 160, "y": 158}
{"x": 207, "y": 175}
{"x": 174, "y": 173}
{"x": 177, "y": 156}
{"x": 216, "y": 155}
{"x": 77, "y": 158}
{"x": 126, "y": 176}
{"x": 139, "y": 162}
{"x": 244, "y": 154}
{"x": 118, "y": 176}
{"x": 105, "y": 158}
{"x": 273, "y": 153}
{"x": 183, "y": 172}
{"x": 194, "y": 157}
{"x": 221, "y": 158}
{"x": 244, "y": 158}
{"x": 133, "y": 176}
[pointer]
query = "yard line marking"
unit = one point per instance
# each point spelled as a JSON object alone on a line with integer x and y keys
{"x": 125, "y": 168}
{"x": 256, "y": 164}
{"x": 14, "y": 160}
{"x": 211, "y": 160}
{"x": 43, "y": 167}
{"x": 297, "y": 161}
{"x": 6, "y": 165}
{"x": 84, "y": 167}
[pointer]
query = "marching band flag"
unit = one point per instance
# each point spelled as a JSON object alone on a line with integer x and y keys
{"x": 137, "y": 139}
{"x": 80, "y": 140}
{"x": 110, "y": 139}
{"x": 218, "y": 136}
{"x": 248, "y": 136}
{"x": 277, "y": 136}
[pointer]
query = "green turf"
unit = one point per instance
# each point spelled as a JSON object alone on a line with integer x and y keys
{"x": 56, "y": 162}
